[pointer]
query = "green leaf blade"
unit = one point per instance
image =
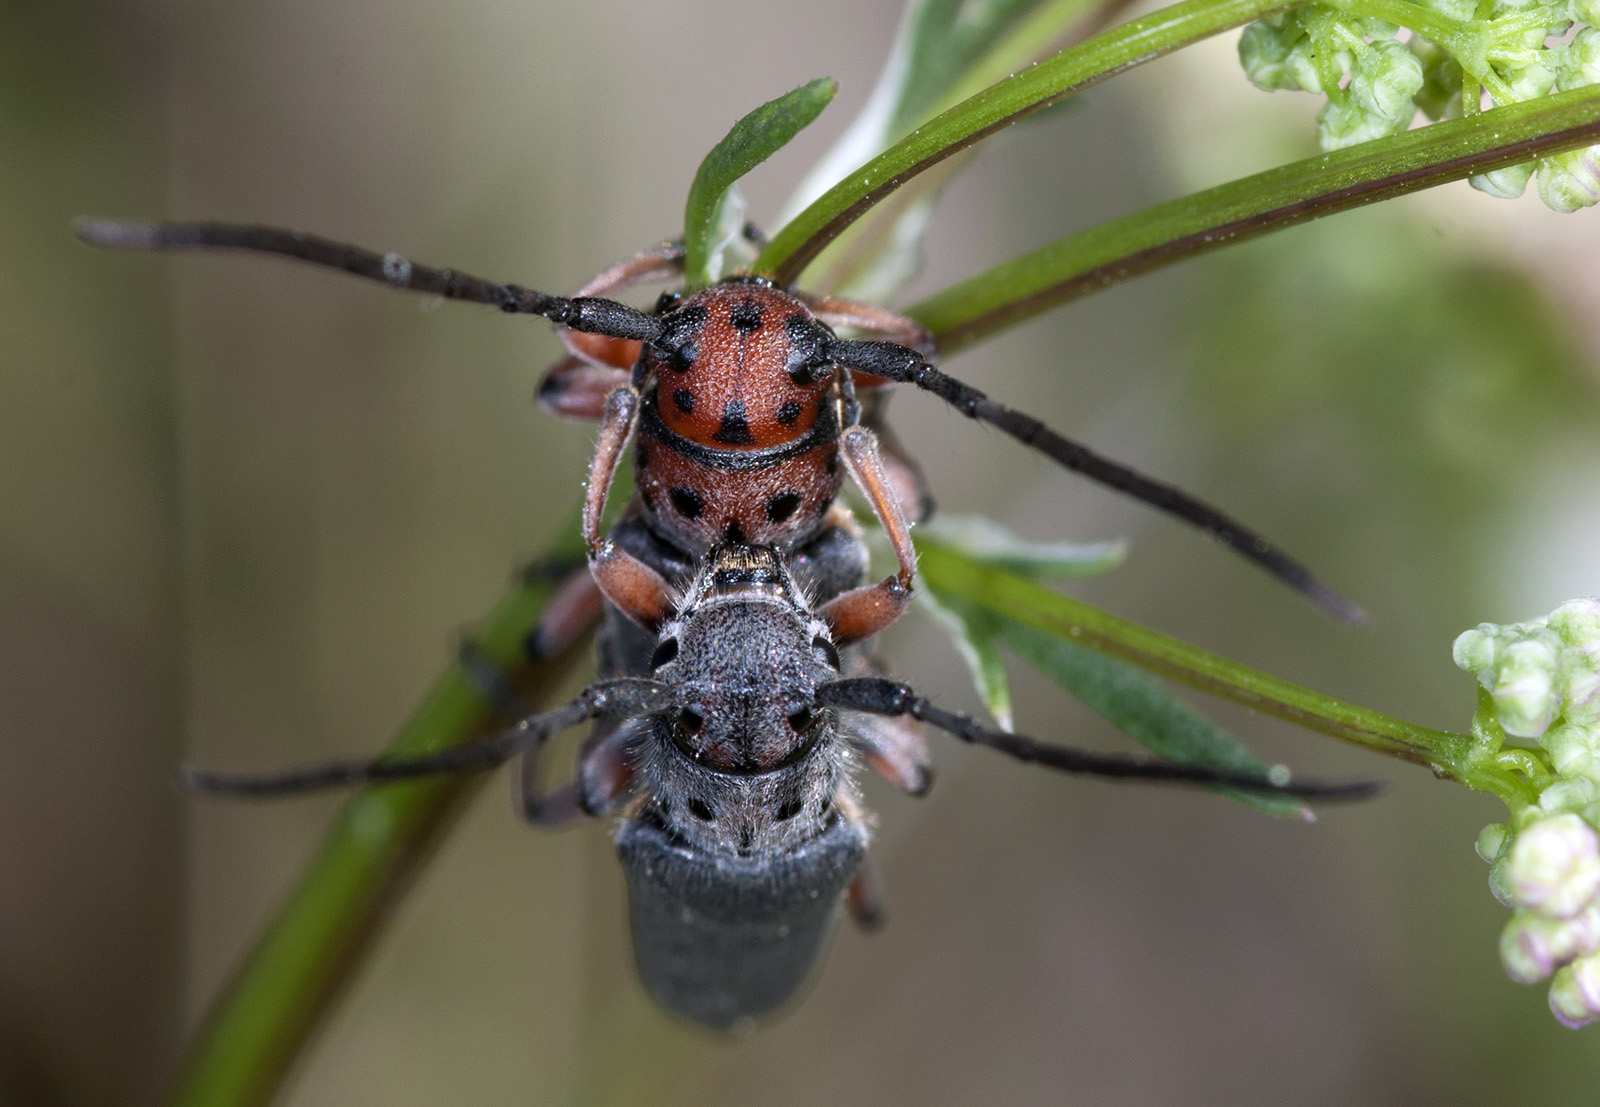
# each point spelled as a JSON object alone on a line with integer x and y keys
{"x": 751, "y": 141}
{"x": 1140, "y": 707}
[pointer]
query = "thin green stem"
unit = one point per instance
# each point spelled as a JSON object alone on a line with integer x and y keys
{"x": 1454, "y": 756}
{"x": 281, "y": 994}
{"x": 1118, "y": 249}
{"x": 997, "y": 107}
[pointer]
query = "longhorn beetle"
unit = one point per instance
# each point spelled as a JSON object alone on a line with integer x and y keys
{"x": 730, "y": 747}
{"x": 745, "y": 402}
{"x": 727, "y": 727}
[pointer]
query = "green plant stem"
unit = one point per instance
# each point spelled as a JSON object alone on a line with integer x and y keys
{"x": 1118, "y": 249}
{"x": 996, "y": 107}
{"x": 1454, "y": 756}
{"x": 280, "y": 995}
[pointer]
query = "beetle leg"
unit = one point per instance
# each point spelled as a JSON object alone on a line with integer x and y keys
{"x": 637, "y": 590}
{"x": 604, "y": 776}
{"x": 902, "y": 471}
{"x": 864, "y": 900}
{"x": 862, "y": 612}
{"x": 896, "y": 750}
{"x": 576, "y": 604}
{"x": 574, "y": 388}
{"x": 865, "y": 317}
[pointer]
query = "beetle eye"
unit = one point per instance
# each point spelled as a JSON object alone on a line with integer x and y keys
{"x": 806, "y": 363}
{"x": 825, "y": 649}
{"x": 665, "y": 653}
{"x": 690, "y": 721}
{"x": 668, "y": 301}
{"x": 801, "y": 719}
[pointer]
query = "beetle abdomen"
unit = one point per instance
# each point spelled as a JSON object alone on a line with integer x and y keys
{"x": 722, "y": 939}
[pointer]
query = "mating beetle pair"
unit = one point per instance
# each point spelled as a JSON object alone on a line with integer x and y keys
{"x": 734, "y": 698}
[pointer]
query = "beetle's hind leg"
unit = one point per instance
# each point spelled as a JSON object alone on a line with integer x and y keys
{"x": 864, "y": 900}
{"x": 605, "y": 774}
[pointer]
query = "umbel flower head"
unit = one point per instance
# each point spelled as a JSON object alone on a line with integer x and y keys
{"x": 1541, "y": 681}
{"x": 1376, "y": 84}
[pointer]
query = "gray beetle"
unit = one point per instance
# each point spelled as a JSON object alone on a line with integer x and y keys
{"x": 729, "y": 742}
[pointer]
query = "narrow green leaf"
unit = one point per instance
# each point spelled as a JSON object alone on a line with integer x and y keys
{"x": 947, "y": 571}
{"x": 1158, "y": 236}
{"x": 946, "y": 51}
{"x": 972, "y": 632}
{"x": 996, "y": 107}
{"x": 753, "y": 140}
{"x": 989, "y": 543}
{"x": 1142, "y": 709}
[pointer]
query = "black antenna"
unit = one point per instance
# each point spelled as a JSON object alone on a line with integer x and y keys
{"x": 593, "y": 316}
{"x": 881, "y": 696}
{"x": 900, "y": 363}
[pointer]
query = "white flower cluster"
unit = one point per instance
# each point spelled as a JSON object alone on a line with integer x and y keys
{"x": 1544, "y": 679}
{"x": 1375, "y": 85}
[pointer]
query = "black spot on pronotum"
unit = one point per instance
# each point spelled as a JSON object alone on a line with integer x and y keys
{"x": 733, "y": 534}
{"x": 665, "y": 653}
{"x": 735, "y": 428}
{"x": 686, "y": 501}
{"x": 700, "y": 809}
{"x": 789, "y": 411}
{"x": 690, "y": 721}
{"x": 683, "y": 400}
{"x": 789, "y": 809}
{"x": 801, "y": 719}
{"x": 745, "y": 317}
{"x": 783, "y": 505}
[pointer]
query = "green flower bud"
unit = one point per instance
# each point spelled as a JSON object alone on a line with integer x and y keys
{"x": 1579, "y": 61}
{"x": 1555, "y": 866}
{"x": 1532, "y": 946}
{"x": 1384, "y": 80}
{"x": 1578, "y": 796}
{"x": 1504, "y": 184}
{"x": 1570, "y": 181}
{"x": 1586, "y": 11}
{"x": 1440, "y": 94}
{"x": 1529, "y": 82}
{"x": 1577, "y": 623}
{"x": 1264, "y": 52}
{"x": 1491, "y": 839}
{"x": 1574, "y": 750}
{"x": 1575, "y": 993}
{"x": 1500, "y": 882}
{"x": 1475, "y": 651}
{"x": 1525, "y": 695}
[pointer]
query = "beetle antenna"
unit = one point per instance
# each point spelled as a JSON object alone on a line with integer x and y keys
{"x": 624, "y": 697}
{"x": 900, "y": 363}
{"x": 587, "y": 314}
{"x": 880, "y": 696}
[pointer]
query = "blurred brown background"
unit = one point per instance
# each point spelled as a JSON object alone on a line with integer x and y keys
{"x": 246, "y": 508}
